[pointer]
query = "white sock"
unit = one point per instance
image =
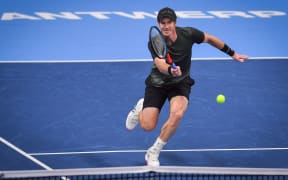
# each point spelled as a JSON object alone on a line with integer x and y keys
{"x": 158, "y": 145}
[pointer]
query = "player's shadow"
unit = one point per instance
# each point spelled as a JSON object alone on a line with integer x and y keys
{"x": 174, "y": 159}
{"x": 194, "y": 159}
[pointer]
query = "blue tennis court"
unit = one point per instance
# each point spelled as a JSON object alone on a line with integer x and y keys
{"x": 70, "y": 72}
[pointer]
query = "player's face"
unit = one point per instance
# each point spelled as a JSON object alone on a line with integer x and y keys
{"x": 167, "y": 27}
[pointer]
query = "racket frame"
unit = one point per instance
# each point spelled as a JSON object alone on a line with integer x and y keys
{"x": 165, "y": 53}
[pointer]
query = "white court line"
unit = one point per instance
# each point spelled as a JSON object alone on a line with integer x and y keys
{"x": 128, "y": 60}
{"x": 28, "y": 156}
{"x": 171, "y": 150}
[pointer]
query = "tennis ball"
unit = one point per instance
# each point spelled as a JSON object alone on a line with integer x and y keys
{"x": 220, "y": 99}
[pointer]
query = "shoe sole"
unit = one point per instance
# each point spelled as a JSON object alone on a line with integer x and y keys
{"x": 130, "y": 129}
{"x": 126, "y": 119}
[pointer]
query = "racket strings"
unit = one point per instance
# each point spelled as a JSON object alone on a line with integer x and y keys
{"x": 159, "y": 46}
{"x": 158, "y": 42}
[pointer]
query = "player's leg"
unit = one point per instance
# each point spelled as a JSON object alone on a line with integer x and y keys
{"x": 178, "y": 106}
{"x": 154, "y": 100}
{"x": 148, "y": 118}
{"x": 179, "y": 97}
{"x": 147, "y": 109}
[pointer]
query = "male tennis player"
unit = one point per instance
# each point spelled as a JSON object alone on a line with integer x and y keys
{"x": 173, "y": 83}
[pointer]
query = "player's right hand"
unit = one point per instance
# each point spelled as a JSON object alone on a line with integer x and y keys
{"x": 176, "y": 72}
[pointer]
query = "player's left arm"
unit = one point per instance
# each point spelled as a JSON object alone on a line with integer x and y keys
{"x": 219, "y": 44}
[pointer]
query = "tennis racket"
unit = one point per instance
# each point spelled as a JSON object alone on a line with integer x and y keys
{"x": 159, "y": 45}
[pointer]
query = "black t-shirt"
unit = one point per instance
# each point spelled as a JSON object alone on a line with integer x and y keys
{"x": 181, "y": 53}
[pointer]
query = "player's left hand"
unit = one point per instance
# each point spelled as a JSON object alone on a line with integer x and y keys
{"x": 240, "y": 57}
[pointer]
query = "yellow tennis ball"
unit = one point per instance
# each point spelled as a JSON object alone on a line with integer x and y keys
{"x": 220, "y": 99}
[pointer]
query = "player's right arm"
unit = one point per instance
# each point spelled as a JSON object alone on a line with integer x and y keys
{"x": 161, "y": 65}
{"x": 165, "y": 68}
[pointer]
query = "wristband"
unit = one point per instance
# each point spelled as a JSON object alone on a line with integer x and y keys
{"x": 169, "y": 70}
{"x": 226, "y": 49}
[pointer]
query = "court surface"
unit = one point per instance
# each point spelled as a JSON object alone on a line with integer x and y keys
{"x": 70, "y": 71}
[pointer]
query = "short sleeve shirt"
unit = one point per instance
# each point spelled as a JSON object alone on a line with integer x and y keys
{"x": 181, "y": 53}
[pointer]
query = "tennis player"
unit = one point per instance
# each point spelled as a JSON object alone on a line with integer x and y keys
{"x": 165, "y": 82}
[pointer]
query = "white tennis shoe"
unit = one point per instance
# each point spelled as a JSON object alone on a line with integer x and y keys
{"x": 132, "y": 118}
{"x": 151, "y": 158}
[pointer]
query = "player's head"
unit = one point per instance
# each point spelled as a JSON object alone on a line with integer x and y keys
{"x": 167, "y": 22}
{"x": 166, "y": 13}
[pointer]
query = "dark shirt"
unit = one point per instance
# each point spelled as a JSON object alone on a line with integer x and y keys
{"x": 181, "y": 53}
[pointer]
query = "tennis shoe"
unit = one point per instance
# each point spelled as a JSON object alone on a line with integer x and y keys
{"x": 151, "y": 158}
{"x": 132, "y": 118}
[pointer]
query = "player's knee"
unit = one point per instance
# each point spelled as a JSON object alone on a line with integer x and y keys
{"x": 148, "y": 125}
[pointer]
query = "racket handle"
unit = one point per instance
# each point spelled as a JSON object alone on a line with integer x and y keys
{"x": 173, "y": 66}
{"x": 170, "y": 61}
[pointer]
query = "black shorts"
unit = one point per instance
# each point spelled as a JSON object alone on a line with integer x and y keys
{"x": 156, "y": 96}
